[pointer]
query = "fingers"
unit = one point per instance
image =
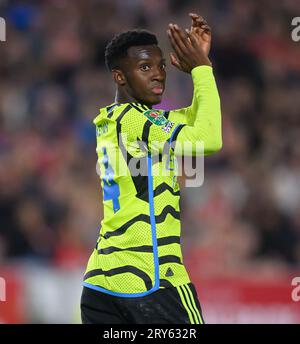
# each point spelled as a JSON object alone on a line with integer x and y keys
{"x": 181, "y": 65}
{"x": 205, "y": 28}
{"x": 178, "y": 48}
{"x": 203, "y": 34}
{"x": 182, "y": 48}
{"x": 173, "y": 42}
{"x": 191, "y": 48}
{"x": 179, "y": 41}
{"x": 198, "y": 21}
{"x": 193, "y": 38}
{"x": 174, "y": 61}
{"x": 201, "y": 30}
{"x": 197, "y": 18}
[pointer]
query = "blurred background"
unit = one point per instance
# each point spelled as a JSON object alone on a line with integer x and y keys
{"x": 241, "y": 229}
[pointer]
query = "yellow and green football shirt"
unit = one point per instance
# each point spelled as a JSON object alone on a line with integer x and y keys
{"x": 138, "y": 250}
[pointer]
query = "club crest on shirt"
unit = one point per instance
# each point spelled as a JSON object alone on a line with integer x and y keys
{"x": 156, "y": 117}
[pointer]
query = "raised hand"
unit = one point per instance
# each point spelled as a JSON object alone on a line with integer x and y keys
{"x": 190, "y": 49}
{"x": 200, "y": 28}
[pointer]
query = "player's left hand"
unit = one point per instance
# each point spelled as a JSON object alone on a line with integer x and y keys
{"x": 189, "y": 49}
{"x": 200, "y": 27}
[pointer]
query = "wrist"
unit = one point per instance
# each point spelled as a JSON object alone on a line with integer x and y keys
{"x": 201, "y": 71}
{"x": 204, "y": 62}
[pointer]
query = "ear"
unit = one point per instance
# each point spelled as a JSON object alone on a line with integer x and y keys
{"x": 119, "y": 77}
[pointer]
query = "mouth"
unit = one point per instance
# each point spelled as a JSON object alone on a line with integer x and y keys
{"x": 158, "y": 90}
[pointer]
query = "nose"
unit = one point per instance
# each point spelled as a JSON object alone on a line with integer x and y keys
{"x": 158, "y": 74}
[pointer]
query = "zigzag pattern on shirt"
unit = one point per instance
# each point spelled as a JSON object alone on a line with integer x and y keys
{"x": 145, "y": 248}
{"x": 144, "y": 218}
{"x": 121, "y": 270}
{"x": 163, "y": 187}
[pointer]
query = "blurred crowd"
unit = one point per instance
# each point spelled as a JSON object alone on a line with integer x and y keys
{"x": 246, "y": 216}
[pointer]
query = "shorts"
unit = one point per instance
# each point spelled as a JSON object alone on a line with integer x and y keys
{"x": 175, "y": 305}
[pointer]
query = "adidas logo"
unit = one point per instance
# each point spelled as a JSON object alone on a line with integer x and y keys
{"x": 169, "y": 273}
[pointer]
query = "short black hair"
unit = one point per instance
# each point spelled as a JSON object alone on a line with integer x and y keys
{"x": 117, "y": 48}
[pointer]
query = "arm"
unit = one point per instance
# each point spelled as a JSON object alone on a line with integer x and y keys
{"x": 207, "y": 125}
{"x": 187, "y": 115}
{"x": 207, "y": 112}
{"x": 191, "y": 56}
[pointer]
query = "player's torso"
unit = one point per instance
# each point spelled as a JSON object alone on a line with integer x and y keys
{"x": 138, "y": 250}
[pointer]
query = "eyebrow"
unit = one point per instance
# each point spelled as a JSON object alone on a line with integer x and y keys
{"x": 163, "y": 60}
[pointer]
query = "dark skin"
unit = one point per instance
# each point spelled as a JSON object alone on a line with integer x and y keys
{"x": 142, "y": 75}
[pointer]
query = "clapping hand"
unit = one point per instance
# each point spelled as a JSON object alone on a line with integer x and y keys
{"x": 191, "y": 48}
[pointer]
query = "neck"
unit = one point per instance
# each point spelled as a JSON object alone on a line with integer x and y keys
{"x": 124, "y": 97}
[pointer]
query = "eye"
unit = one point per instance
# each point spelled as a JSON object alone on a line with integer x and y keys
{"x": 163, "y": 66}
{"x": 144, "y": 67}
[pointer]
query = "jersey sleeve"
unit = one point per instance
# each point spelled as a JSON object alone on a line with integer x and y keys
{"x": 185, "y": 115}
{"x": 195, "y": 130}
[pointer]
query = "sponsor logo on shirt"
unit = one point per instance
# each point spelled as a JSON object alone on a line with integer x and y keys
{"x": 156, "y": 117}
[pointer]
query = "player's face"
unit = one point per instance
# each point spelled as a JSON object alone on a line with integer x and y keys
{"x": 145, "y": 74}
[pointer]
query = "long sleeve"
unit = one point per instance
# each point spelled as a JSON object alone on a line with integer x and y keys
{"x": 207, "y": 112}
{"x": 184, "y": 115}
{"x": 203, "y": 122}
